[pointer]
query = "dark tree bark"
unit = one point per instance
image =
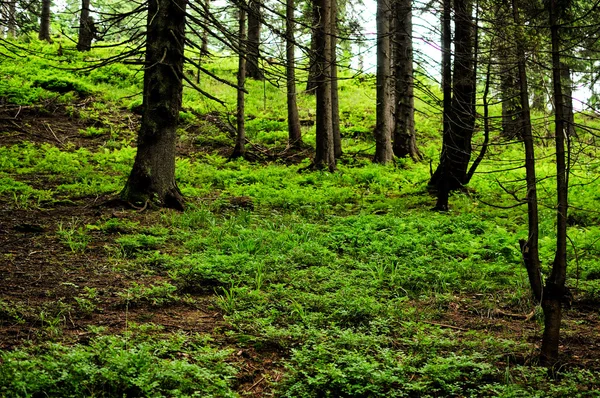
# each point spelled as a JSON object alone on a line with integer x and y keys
{"x": 203, "y": 45}
{"x": 311, "y": 82}
{"x": 529, "y": 247}
{"x": 567, "y": 91}
{"x": 335, "y": 106}
{"x": 405, "y": 142}
{"x": 294, "y": 132}
{"x": 555, "y": 291}
{"x": 253, "y": 70}
{"x": 383, "y": 130}
{"x": 44, "y": 33}
{"x": 240, "y": 141}
{"x": 86, "y": 27}
{"x": 152, "y": 178}
{"x": 439, "y": 180}
{"x": 324, "y": 154}
{"x": 511, "y": 103}
{"x": 459, "y": 121}
{"x": 11, "y": 22}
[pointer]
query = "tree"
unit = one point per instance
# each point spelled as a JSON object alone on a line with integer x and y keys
{"x": 383, "y": 130}
{"x": 253, "y": 48}
{"x": 8, "y": 10}
{"x": 87, "y": 29}
{"x": 311, "y": 81}
{"x": 529, "y": 247}
{"x": 324, "y": 154}
{"x": 240, "y": 141}
{"x": 459, "y": 119}
{"x": 152, "y": 177}
{"x": 405, "y": 143}
{"x": 335, "y": 107}
{"x": 44, "y": 33}
{"x": 294, "y": 132}
{"x": 555, "y": 290}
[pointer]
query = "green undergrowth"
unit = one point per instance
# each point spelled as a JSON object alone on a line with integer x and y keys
{"x": 349, "y": 277}
{"x": 138, "y": 363}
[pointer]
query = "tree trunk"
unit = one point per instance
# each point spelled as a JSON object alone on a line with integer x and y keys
{"x": 253, "y": 69}
{"x": 86, "y": 27}
{"x": 383, "y": 130}
{"x": 335, "y": 106}
{"x": 240, "y": 141}
{"x": 439, "y": 179}
{"x": 405, "y": 143}
{"x": 567, "y": 91}
{"x": 152, "y": 178}
{"x": 529, "y": 247}
{"x": 11, "y": 22}
{"x": 44, "y": 33}
{"x": 294, "y": 132}
{"x": 460, "y": 121}
{"x": 311, "y": 82}
{"x": 554, "y": 291}
{"x": 324, "y": 154}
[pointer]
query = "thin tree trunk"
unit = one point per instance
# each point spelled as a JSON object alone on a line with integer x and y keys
{"x": 335, "y": 106}
{"x": 554, "y": 291}
{"x": 405, "y": 143}
{"x": 240, "y": 142}
{"x": 44, "y": 33}
{"x": 294, "y": 132}
{"x": 253, "y": 70}
{"x": 86, "y": 27}
{"x": 324, "y": 154}
{"x": 383, "y": 130}
{"x": 567, "y": 91}
{"x": 152, "y": 178}
{"x": 529, "y": 247}
{"x": 11, "y": 19}
{"x": 203, "y": 44}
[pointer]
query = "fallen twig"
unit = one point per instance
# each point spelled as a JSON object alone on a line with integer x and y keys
{"x": 444, "y": 325}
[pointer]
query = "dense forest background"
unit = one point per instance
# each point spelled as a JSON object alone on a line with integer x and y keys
{"x": 225, "y": 199}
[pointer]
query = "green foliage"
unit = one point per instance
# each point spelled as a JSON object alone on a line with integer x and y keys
{"x": 342, "y": 273}
{"x": 155, "y": 295}
{"x": 118, "y": 366}
{"x": 76, "y": 237}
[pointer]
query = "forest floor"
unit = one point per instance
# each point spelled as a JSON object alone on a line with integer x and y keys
{"x": 48, "y": 276}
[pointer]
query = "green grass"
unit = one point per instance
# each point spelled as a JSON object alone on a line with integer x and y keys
{"x": 344, "y": 275}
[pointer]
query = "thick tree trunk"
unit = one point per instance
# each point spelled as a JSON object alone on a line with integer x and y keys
{"x": 529, "y": 247}
{"x": 311, "y": 82}
{"x": 44, "y": 33}
{"x": 405, "y": 143}
{"x": 554, "y": 291}
{"x": 383, "y": 130}
{"x": 86, "y": 27}
{"x": 459, "y": 122}
{"x": 152, "y": 178}
{"x": 294, "y": 132}
{"x": 439, "y": 179}
{"x": 335, "y": 106}
{"x": 240, "y": 141}
{"x": 253, "y": 70}
{"x": 324, "y": 154}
